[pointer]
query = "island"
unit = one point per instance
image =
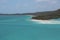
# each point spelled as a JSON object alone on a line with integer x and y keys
{"x": 47, "y": 15}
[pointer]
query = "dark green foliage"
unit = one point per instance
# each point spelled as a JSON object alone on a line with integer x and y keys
{"x": 48, "y": 15}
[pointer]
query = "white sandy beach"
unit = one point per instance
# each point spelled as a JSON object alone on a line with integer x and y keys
{"x": 46, "y": 21}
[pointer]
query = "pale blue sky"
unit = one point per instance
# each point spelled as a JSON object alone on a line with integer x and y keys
{"x": 24, "y": 6}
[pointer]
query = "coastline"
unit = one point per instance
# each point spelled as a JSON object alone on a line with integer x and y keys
{"x": 46, "y": 21}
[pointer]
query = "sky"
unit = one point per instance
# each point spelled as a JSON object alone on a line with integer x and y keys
{"x": 28, "y": 6}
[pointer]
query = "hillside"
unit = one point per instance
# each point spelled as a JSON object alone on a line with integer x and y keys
{"x": 47, "y": 15}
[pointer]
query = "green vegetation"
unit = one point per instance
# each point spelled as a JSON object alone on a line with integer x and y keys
{"x": 47, "y": 15}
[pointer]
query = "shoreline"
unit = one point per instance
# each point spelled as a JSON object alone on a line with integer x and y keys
{"x": 46, "y": 21}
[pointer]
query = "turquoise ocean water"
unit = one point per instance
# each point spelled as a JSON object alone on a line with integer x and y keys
{"x": 22, "y": 28}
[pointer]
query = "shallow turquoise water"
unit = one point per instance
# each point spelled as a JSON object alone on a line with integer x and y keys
{"x": 21, "y": 28}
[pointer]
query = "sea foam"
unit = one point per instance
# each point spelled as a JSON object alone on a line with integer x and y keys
{"x": 46, "y": 21}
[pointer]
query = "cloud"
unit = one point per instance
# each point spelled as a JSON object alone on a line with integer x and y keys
{"x": 40, "y": 0}
{"x": 3, "y": 1}
{"x": 48, "y": 1}
{"x": 54, "y": 2}
{"x": 18, "y": 5}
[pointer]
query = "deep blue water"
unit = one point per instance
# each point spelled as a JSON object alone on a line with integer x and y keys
{"x": 20, "y": 28}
